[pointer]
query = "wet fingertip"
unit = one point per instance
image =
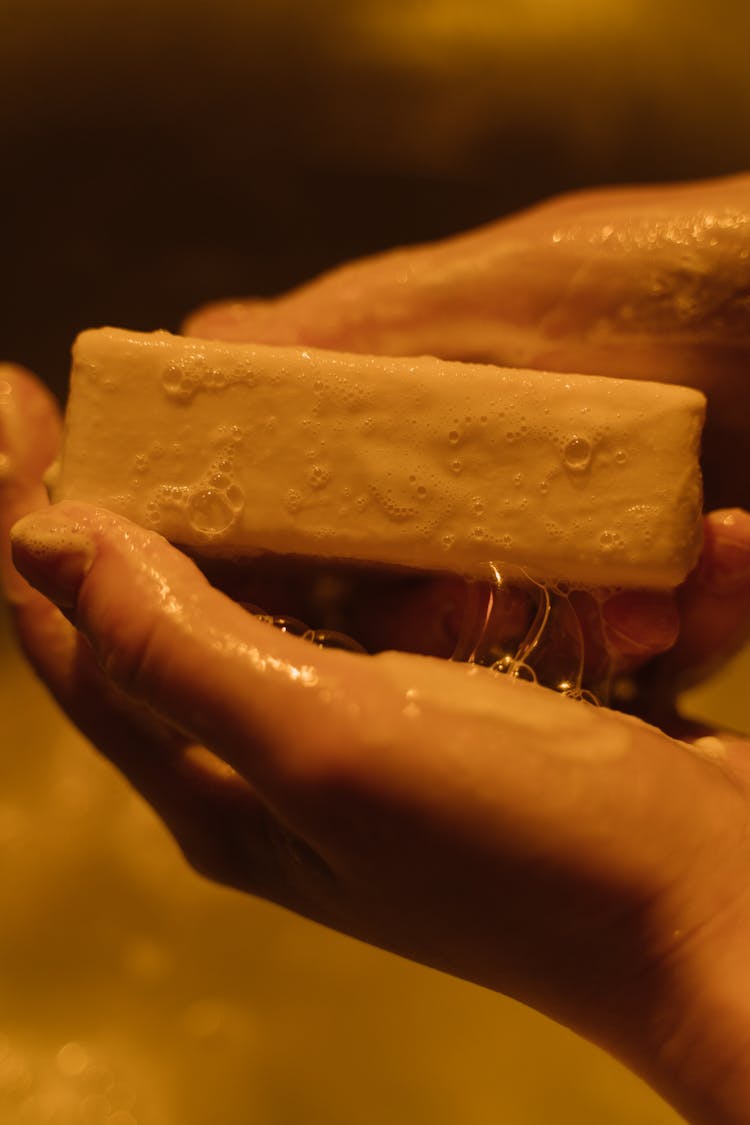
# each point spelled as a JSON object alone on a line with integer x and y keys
{"x": 725, "y": 564}
{"x": 53, "y": 554}
{"x": 638, "y": 623}
{"x": 30, "y": 424}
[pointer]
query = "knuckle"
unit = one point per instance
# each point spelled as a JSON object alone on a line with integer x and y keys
{"x": 126, "y": 647}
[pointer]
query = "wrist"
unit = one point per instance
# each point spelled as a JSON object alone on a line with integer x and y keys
{"x": 694, "y": 1049}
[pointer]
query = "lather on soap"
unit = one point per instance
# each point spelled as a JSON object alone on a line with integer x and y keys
{"x": 237, "y": 449}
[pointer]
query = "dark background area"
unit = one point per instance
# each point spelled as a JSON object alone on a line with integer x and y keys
{"x": 158, "y": 155}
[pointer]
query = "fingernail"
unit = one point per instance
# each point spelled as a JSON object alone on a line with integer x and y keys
{"x": 725, "y": 566}
{"x": 53, "y": 554}
{"x": 638, "y": 622}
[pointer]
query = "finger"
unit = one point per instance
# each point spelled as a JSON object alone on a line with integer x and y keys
{"x": 638, "y": 625}
{"x": 30, "y": 428}
{"x": 714, "y": 602}
{"x": 433, "y": 792}
{"x": 645, "y": 282}
{"x": 169, "y": 639}
{"x": 628, "y": 262}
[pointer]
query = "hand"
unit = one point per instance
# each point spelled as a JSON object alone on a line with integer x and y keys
{"x": 646, "y": 282}
{"x": 415, "y": 804}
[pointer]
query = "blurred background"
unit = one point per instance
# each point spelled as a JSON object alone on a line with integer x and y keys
{"x": 157, "y": 154}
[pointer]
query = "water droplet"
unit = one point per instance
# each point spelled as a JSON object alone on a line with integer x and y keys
{"x": 518, "y": 479}
{"x": 477, "y": 506}
{"x": 329, "y": 638}
{"x": 607, "y": 540}
{"x": 453, "y": 437}
{"x": 577, "y": 454}
{"x": 447, "y": 541}
{"x": 172, "y": 380}
{"x": 210, "y": 512}
{"x": 421, "y": 492}
{"x": 456, "y": 467}
{"x": 141, "y": 462}
{"x": 478, "y": 533}
{"x": 290, "y": 625}
{"x": 621, "y": 456}
{"x": 515, "y": 669}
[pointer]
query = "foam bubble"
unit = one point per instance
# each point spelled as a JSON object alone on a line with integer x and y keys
{"x": 577, "y": 454}
{"x": 210, "y": 512}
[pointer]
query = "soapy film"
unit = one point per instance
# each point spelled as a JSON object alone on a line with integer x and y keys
{"x": 549, "y": 651}
{"x": 514, "y": 625}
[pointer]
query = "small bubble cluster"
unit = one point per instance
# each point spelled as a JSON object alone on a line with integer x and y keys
{"x": 611, "y": 541}
{"x": 211, "y": 506}
{"x": 396, "y": 510}
{"x": 186, "y": 376}
{"x": 319, "y": 476}
{"x": 293, "y": 500}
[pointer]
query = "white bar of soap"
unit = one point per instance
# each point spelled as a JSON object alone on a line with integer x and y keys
{"x": 238, "y": 449}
